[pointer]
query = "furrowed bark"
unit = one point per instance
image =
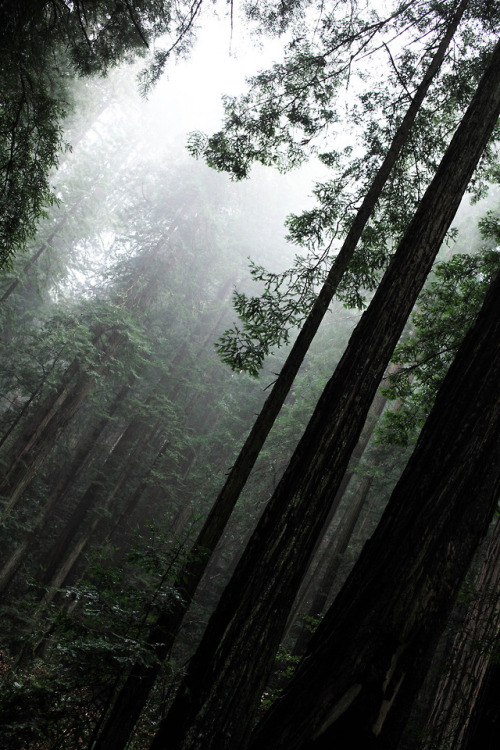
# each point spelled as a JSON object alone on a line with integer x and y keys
{"x": 136, "y": 690}
{"x": 335, "y": 551}
{"x": 226, "y": 500}
{"x": 367, "y": 660}
{"x": 216, "y": 702}
{"x": 374, "y": 414}
{"x": 472, "y": 651}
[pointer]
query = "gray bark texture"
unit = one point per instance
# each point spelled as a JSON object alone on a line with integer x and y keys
{"x": 365, "y": 663}
{"x": 135, "y": 692}
{"x": 216, "y": 703}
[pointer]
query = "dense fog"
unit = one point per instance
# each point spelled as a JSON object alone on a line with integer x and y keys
{"x": 247, "y": 376}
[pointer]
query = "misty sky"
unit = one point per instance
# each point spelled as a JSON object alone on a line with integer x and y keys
{"x": 188, "y": 95}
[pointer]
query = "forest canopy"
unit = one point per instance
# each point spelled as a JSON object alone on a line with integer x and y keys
{"x": 277, "y": 532}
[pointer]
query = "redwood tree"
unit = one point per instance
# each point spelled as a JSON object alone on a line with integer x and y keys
{"x": 215, "y": 704}
{"x": 357, "y": 681}
{"x": 132, "y": 697}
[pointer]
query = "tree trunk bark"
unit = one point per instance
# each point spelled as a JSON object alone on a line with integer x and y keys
{"x": 484, "y": 727}
{"x": 134, "y": 695}
{"x": 472, "y": 651}
{"x": 367, "y": 660}
{"x": 216, "y": 702}
{"x": 11, "y": 565}
{"x": 374, "y": 415}
{"x": 44, "y": 427}
{"x": 239, "y": 473}
{"x": 336, "y": 549}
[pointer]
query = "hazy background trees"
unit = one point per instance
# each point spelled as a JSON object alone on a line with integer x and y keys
{"x": 118, "y": 421}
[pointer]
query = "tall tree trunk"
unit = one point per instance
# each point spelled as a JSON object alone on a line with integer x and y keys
{"x": 484, "y": 728}
{"x": 471, "y": 653}
{"x": 118, "y": 468}
{"x": 21, "y": 413}
{"x": 237, "y": 477}
{"x": 76, "y": 537}
{"x": 216, "y": 702}
{"x": 48, "y": 424}
{"x": 43, "y": 428}
{"x": 337, "y": 547}
{"x": 121, "y": 465}
{"x": 134, "y": 694}
{"x": 374, "y": 415}
{"x": 357, "y": 682}
{"x": 12, "y": 563}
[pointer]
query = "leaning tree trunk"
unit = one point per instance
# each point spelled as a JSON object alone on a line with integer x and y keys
{"x": 43, "y": 428}
{"x": 472, "y": 651}
{"x": 48, "y": 423}
{"x": 116, "y": 470}
{"x": 374, "y": 415}
{"x": 336, "y": 549}
{"x": 83, "y": 524}
{"x": 123, "y": 462}
{"x": 367, "y": 660}
{"x": 484, "y": 727}
{"x": 66, "y": 478}
{"x": 134, "y": 695}
{"x": 217, "y": 700}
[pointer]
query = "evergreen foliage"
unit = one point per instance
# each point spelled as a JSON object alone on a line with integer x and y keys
{"x": 372, "y": 120}
{"x": 445, "y": 311}
{"x": 119, "y": 424}
{"x": 96, "y": 631}
{"x": 44, "y": 45}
